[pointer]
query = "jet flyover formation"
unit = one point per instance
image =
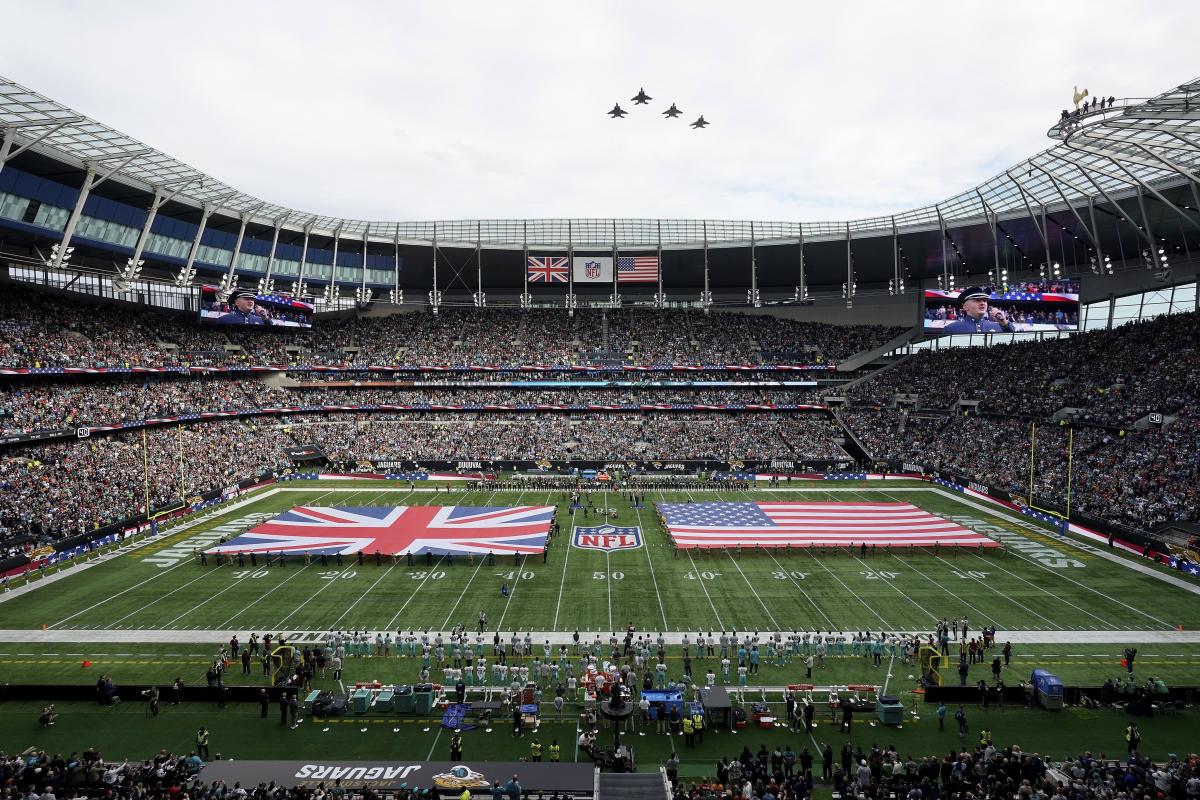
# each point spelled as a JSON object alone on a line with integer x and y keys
{"x": 641, "y": 99}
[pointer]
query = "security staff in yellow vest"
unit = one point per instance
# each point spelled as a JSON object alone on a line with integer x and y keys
{"x": 689, "y": 736}
{"x": 535, "y": 750}
{"x": 555, "y": 751}
{"x": 698, "y": 726}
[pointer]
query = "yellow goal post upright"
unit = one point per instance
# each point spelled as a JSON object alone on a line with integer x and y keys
{"x": 283, "y": 662}
{"x": 1064, "y": 519}
{"x": 932, "y": 663}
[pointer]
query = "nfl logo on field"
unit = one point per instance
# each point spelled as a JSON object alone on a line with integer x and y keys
{"x": 608, "y": 538}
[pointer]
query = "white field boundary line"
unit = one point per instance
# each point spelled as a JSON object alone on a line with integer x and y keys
{"x": 207, "y": 637}
{"x": 650, "y": 563}
{"x": 75, "y": 569}
{"x": 1060, "y": 573}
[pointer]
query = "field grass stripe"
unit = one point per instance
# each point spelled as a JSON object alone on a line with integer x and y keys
{"x": 843, "y": 584}
{"x": 795, "y": 582}
{"x": 650, "y": 563}
{"x": 467, "y": 585}
{"x": 313, "y": 596}
{"x": 99, "y": 603}
{"x": 429, "y": 572}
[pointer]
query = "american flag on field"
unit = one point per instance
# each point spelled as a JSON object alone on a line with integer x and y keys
{"x": 637, "y": 269}
{"x": 547, "y": 269}
{"x": 394, "y": 530}
{"x": 812, "y": 525}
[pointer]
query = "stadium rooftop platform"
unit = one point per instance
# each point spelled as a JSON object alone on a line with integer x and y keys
{"x": 1135, "y": 145}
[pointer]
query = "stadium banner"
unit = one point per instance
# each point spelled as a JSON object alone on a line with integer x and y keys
{"x": 451, "y": 777}
{"x": 307, "y": 452}
{"x": 637, "y": 269}
{"x": 546, "y": 269}
{"x": 592, "y": 269}
{"x": 664, "y": 470}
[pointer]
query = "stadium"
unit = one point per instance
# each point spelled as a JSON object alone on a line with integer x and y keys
{"x": 297, "y": 505}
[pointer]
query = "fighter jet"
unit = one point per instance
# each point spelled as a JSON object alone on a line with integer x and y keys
{"x": 641, "y": 98}
{"x": 700, "y": 123}
{"x": 672, "y": 112}
{"x": 617, "y": 112}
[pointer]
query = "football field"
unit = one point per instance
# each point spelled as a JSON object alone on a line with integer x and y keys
{"x": 1037, "y": 581}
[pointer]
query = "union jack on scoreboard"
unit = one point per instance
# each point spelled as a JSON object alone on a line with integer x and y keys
{"x": 547, "y": 269}
{"x": 396, "y": 530}
{"x": 812, "y": 525}
{"x": 637, "y": 269}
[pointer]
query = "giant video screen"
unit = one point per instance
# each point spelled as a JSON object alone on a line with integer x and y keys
{"x": 247, "y": 307}
{"x": 1025, "y": 307}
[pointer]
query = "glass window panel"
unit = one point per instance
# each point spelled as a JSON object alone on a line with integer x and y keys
{"x": 285, "y": 267}
{"x": 51, "y": 217}
{"x": 1185, "y": 299}
{"x": 13, "y": 207}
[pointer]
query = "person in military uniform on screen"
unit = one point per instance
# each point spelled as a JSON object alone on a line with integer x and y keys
{"x": 245, "y": 310}
{"x": 977, "y": 317}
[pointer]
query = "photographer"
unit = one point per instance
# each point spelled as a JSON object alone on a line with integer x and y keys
{"x": 151, "y": 696}
{"x": 48, "y": 716}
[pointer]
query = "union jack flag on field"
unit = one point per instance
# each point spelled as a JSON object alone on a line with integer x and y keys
{"x": 395, "y": 530}
{"x": 813, "y": 525}
{"x": 547, "y": 269}
{"x": 637, "y": 269}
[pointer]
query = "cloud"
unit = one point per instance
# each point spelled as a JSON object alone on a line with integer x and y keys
{"x": 417, "y": 111}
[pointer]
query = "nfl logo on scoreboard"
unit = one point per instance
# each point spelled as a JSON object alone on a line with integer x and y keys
{"x": 591, "y": 269}
{"x": 608, "y": 538}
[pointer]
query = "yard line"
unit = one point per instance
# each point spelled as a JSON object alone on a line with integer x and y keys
{"x": 608, "y": 578}
{"x": 646, "y": 546}
{"x": 889, "y": 581}
{"x": 787, "y": 572}
{"x": 215, "y": 595}
{"x": 747, "y": 580}
{"x": 179, "y": 588}
{"x": 482, "y": 559}
{"x": 312, "y": 597}
{"x": 362, "y": 596}
{"x": 429, "y": 572}
{"x": 1040, "y": 588}
{"x": 712, "y": 605}
{"x": 118, "y": 594}
{"x": 563, "y": 581}
{"x": 774, "y": 623}
{"x": 853, "y": 593}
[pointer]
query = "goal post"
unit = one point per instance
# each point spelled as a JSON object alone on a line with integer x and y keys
{"x": 932, "y": 663}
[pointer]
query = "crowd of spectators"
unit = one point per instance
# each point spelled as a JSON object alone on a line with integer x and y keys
{"x": 72, "y": 487}
{"x": 1112, "y": 376}
{"x": 39, "y": 330}
{"x": 589, "y": 436}
{"x": 984, "y": 771}
{"x": 1137, "y": 478}
{"x": 45, "y": 405}
{"x": 75, "y": 486}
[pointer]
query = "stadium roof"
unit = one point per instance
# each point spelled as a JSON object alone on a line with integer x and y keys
{"x": 1137, "y": 144}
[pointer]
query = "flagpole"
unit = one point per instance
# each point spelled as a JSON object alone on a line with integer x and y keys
{"x": 525, "y": 249}
{"x": 570, "y": 271}
{"x": 614, "y": 264}
{"x": 662, "y": 301}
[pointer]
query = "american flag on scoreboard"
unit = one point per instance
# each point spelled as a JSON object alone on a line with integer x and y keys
{"x": 637, "y": 269}
{"x": 812, "y": 525}
{"x": 547, "y": 269}
{"x": 396, "y": 530}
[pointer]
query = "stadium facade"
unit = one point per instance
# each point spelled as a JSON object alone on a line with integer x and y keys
{"x": 1117, "y": 186}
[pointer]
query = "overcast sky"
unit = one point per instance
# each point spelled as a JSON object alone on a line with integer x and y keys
{"x": 405, "y": 111}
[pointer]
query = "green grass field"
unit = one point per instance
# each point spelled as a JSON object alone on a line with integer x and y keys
{"x": 1056, "y": 587}
{"x": 150, "y": 613}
